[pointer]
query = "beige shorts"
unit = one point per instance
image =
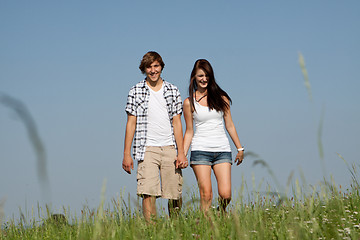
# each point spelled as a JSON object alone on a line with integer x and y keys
{"x": 159, "y": 159}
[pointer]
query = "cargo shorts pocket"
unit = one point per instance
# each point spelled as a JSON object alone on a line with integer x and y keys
{"x": 140, "y": 172}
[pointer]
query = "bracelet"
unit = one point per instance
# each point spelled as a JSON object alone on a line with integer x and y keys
{"x": 241, "y": 149}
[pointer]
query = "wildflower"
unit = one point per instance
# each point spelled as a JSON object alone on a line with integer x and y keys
{"x": 196, "y": 236}
{"x": 357, "y": 226}
{"x": 347, "y": 230}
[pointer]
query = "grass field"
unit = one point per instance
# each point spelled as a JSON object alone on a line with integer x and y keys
{"x": 324, "y": 211}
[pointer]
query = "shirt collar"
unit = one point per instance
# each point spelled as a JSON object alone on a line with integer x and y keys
{"x": 144, "y": 85}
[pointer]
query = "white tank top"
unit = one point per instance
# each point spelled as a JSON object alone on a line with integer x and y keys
{"x": 209, "y": 130}
{"x": 159, "y": 127}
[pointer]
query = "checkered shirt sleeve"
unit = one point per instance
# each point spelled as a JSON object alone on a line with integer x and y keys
{"x": 173, "y": 99}
{"x": 130, "y": 104}
{"x": 137, "y": 105}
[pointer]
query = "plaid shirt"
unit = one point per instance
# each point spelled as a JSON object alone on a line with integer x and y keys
{"x": 137, "y": 105}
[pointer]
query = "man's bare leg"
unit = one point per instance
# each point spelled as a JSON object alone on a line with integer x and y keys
{"x": 149, "y": 207}
{"x": 174, "y": 207}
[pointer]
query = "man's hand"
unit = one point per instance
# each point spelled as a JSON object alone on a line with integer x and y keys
{"x": 181, "y": 161}
{"x": 128, "y": 164}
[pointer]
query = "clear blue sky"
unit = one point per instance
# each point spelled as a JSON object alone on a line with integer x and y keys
{"x": 73, "y": 62}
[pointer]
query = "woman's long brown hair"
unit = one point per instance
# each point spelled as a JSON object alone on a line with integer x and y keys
{"x": 215, "y": 95}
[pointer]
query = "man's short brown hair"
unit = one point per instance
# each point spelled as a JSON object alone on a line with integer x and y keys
{"x": 148, "y": 59}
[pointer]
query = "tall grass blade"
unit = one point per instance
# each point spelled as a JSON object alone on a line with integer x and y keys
{"x": 291, "y": 175}
{"x": 352, "y": 170}
{"x": 320, "y": 127}
{"x": 280, "y": 192}
{"x": 272, "y": 174}
{"x": 2, "y": 213}
{"x": 24, "y": 115}
{"x": 99, "y": 221}
{"x": 305, "y": 74}
{"x": 319, "y": 137}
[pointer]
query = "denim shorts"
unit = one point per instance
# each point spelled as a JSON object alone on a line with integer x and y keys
{"x": 209, "y": 158}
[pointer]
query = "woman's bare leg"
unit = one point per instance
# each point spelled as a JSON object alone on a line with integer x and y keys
{"x": 222, "y": 173}
{"x": 203, "y": 176}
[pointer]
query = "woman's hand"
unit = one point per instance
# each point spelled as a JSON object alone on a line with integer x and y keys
{"x": 181, "y": 162}
{"x": 239, "y": 157}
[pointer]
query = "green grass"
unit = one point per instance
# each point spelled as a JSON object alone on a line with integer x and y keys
{"x": 328, "y": 212}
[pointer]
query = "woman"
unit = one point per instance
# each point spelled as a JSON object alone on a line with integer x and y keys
{"x": 209, "y": 106}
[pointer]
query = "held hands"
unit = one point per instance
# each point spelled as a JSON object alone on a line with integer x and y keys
{"x": 128, "y": 164}
{"x": 181, "y": 161}
{"x": 239, "y": 157}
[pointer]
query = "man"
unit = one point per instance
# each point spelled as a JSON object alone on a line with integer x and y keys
{"x": 154, "y": 110}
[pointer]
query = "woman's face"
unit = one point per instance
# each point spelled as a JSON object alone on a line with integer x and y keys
{"x": 201, "y": 79}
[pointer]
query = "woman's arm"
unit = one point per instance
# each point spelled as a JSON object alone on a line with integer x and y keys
{"x": 181, "y": 161}
{"x": 230, "y": 128}
{"x": 189, "y": 131}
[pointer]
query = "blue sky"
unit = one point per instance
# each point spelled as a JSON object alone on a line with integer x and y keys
{"x": 73, "y": 62}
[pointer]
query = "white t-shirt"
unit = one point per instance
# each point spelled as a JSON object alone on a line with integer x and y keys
{"x": 209, "y": 131}
{"x": 159, "y": 127}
